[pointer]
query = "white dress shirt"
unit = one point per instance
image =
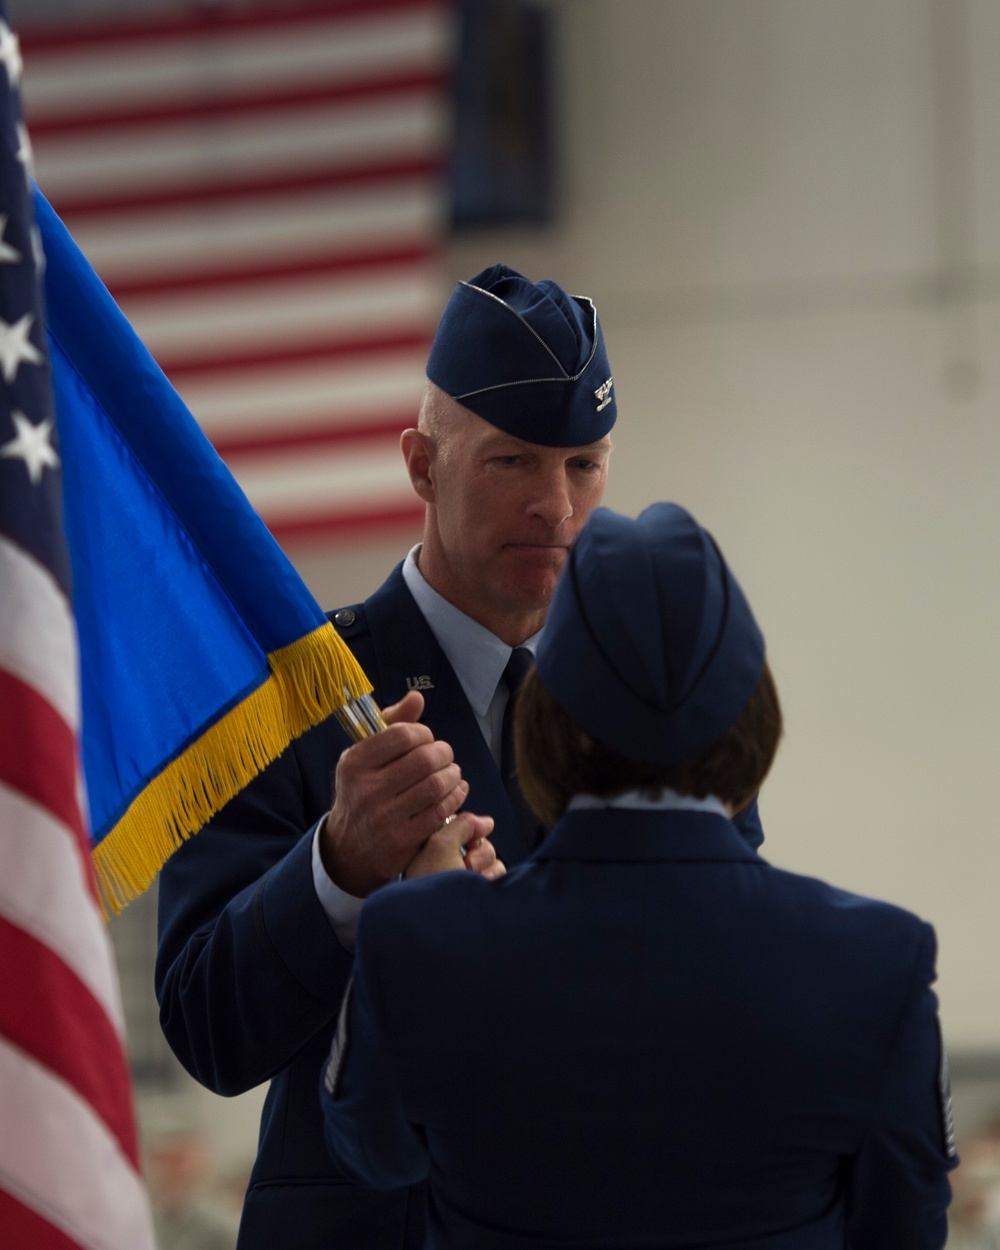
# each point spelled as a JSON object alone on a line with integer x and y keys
{"x": 669, "y": 800}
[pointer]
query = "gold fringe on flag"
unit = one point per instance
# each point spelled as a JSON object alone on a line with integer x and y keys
{"x": 311, "y": 679}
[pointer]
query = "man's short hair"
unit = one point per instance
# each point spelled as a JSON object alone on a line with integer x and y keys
{"x": 556, "y": 759}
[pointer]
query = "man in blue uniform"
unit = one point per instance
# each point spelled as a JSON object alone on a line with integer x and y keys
{"x": 256, "y": 913}
{"x": 675, "y": 1044}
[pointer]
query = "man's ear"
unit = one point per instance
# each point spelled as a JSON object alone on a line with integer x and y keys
{"x": 418, "y": 452}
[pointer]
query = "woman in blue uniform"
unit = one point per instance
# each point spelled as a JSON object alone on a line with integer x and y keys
{"x": 646, "y": 1035}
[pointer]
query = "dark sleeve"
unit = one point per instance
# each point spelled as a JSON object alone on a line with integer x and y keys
{"x": 366, "y": 1129}
{"x": 898, "y": 1189}
{"x": 248, "y": 968}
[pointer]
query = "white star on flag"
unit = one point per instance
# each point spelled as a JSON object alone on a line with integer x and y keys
{"x": 38, "y": 251}
{"x": 15, "y": 347}
{"x": 8, "y": 255}
{"x": 32, "y": 445}
{"x": 24, "y": 153}
{"x": 10, "y": 54}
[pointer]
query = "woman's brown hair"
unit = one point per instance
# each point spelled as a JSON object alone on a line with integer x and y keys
{"x": 556, "y": 759}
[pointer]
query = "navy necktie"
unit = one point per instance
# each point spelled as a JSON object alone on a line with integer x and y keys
{"x": 518, "y": 665}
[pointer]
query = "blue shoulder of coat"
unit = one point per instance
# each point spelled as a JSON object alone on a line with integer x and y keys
{"x": 353, "y": 621}
{"x": 856, "y": 924}
{"x": 358, "y": 623}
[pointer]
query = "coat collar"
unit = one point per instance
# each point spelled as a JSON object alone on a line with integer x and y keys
{"x": 618, "y": 835}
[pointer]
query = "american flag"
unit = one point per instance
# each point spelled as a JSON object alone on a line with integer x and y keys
{"x": 263, "y": 192}
{"x": 69, "y": 1166}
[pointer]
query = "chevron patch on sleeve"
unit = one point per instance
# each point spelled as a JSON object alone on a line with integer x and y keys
{"x": 339, "y": 1047}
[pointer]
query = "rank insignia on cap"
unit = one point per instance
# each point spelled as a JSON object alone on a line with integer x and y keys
{"x": 603, "y": 394}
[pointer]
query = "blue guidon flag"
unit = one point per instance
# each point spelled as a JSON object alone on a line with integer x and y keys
{"x": 203, "y": 654}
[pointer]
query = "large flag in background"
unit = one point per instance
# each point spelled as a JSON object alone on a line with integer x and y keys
{"x": 263, "y": 192}
{"x": 69, "y": 1166}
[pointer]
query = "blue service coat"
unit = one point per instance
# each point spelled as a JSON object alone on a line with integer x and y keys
{"x": 249, "y": 975}
{"x": 646, "y": 1036}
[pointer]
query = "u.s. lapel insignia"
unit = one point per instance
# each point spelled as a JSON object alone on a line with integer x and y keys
{"x": 423, "y": 682}
{"x": 603, "y": 394}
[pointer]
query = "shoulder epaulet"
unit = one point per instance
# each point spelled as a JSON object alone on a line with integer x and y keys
{"x": 348, "y": 621}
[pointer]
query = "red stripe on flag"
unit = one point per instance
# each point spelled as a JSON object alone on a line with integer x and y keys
{"x": 25, "y": 1229}
{"x": 316, "y": 436}
{"x": 319, "y": 265}
{"x": 238, "y": 189}
{"x": 38, "y": 754}
{"x": 257, "y": 360}
{"x": 49, "y": 1013}
{"x": 218, "y": 20}
{"x": 325, "y": 525}
{"x": 110, "y": 120}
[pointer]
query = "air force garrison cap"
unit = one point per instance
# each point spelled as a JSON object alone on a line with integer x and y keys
{"x": 526, "y": 357}
{"x": 650, "y": 645}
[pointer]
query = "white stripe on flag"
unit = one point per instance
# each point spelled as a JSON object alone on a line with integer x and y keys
{"x": 43, "y": 891}
{"x": 286, "y": 484}
{"x": 344, "y": 220}
{"x": 62, "y": 1161}
{"x": 241, "y": 401}
{"x": 37, "y": 633}
{"x": 153, "y": 157}
{"x": 199, "y": 324}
